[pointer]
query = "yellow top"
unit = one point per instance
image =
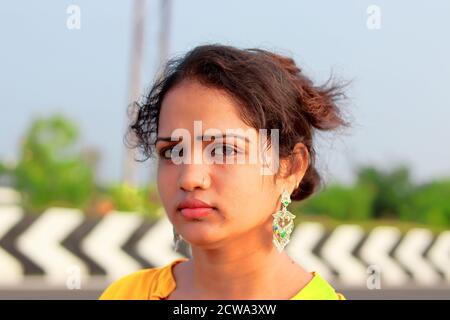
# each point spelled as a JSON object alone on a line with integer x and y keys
{"x": 158, "y": 283}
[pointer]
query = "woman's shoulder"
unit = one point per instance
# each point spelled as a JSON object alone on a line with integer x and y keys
{"x": 144, "y": 284}
{"x": 318, "y": 289}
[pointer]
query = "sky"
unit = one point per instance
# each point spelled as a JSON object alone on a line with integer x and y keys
{"x": 399, "y": 99}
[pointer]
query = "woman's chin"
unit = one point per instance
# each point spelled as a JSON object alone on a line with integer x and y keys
{"x": 199, "y": 237}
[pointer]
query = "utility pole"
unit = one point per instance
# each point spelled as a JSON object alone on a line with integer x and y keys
{"x": 164, "y": 31}
{"x": 139, "y": 19}
{"x": 163, "y": 49}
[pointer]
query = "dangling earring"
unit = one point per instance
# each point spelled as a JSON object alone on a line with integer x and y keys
{"x": 177, "y": 238}
{"x": 283, "y": 223}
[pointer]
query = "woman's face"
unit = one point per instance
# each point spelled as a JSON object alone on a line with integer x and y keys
{"x": 243, "y": 198}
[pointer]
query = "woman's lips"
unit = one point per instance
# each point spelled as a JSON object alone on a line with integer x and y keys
{"x": 195, "y": 213}
{"x": 194, "y": 208}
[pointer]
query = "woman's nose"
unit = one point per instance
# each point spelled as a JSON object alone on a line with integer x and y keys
{"x": 193, "y": 176}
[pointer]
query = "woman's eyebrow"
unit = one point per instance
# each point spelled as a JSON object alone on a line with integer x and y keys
{"x": 164, "y": 139}
{"x": 207, "y": 137}
{"x": 228, "y": 135}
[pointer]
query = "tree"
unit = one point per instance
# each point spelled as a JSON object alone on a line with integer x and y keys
{"x": 340, "y": 202}
{"x": 391, "y": 189}
{"x": 429, "y": 204}
{"x": 142, "y": 200}
{"x": 50, "y": 171}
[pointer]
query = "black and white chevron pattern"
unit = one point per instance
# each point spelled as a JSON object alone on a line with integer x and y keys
{"x": 48, "y": 245}
{"x": 347, "y": 254}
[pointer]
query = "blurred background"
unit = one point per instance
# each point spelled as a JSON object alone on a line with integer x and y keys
{"x": 76, "y": 212}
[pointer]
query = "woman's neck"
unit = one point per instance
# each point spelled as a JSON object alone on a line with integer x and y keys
{"x": 245, "y": 269}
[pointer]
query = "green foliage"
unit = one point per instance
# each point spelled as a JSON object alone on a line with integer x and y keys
{"x": 382, "y": 195}
{"x": 429, "y": 203}
{"x": 340, "y": 202}
{"x": 50, "y": 172}
{"x": 391, "y": 189}
{"x": 142, "y": 200}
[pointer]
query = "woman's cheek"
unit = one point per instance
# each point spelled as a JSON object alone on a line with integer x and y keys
{"x": 166, "y": 185}
{"x": 245, "y": 193}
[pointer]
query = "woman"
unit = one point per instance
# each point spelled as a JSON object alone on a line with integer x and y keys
{"x": 227, "y": 203}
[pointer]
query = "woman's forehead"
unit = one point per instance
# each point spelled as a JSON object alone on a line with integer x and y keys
{"x": 191, "y": 102}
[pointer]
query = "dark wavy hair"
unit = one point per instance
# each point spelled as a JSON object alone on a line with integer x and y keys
{"x": 270, "y": 89}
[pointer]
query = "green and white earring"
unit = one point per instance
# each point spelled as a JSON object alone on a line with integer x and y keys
{"x": 177, "y": 238}
{"x": 283, "y": 223}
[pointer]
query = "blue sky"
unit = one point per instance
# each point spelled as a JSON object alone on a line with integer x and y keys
{"x": 400, "y": 97}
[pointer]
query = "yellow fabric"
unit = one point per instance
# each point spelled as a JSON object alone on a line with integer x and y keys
{"x": 158, "y": 283}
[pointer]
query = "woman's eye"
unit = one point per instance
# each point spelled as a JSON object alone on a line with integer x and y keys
{"x": 167, "y": 152}
{"x": 225, "y": 150}
{"x": 222, "y": 150}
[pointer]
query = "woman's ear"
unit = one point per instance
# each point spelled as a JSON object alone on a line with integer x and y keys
{"x": 293, "y": 168}
{"x": 301, "y": 155}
